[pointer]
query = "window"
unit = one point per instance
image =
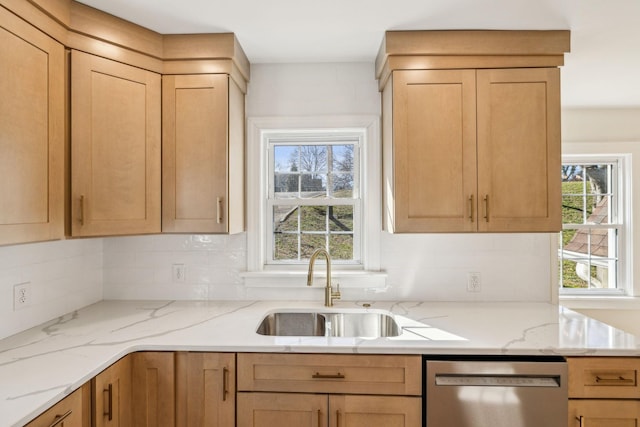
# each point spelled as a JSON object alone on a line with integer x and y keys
{"x": 313, "y": 182}
{"x": 313, "y": 198}
{"x": 591, "y": 248}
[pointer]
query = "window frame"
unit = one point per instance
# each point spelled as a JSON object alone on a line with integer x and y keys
{"x": 620, "y": 189}
{"x": 367, "y": 273}
{"x": 320, "y": 137}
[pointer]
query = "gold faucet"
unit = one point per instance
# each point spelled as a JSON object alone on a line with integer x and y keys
{"x": 329, "y": 295}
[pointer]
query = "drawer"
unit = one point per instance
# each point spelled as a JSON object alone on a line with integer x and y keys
{"x": 72, "y": 411}
{"x": 604, "y": 377}
{"x": 330, "y": 373}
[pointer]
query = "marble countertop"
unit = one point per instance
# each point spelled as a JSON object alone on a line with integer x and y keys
{"x": 42, "y": 365}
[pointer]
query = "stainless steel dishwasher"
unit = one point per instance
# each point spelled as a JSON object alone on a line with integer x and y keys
{"x": 496, "y": 392}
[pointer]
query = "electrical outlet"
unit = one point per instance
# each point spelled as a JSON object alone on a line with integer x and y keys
{"x": 179, "y": 273}
{"x": 21, "y": 295}
{"x": 473, "y": 282}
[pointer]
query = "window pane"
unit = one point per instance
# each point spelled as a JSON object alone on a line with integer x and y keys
{"x": 285, "y": 158}
{"x": 313, "y": 158}
{"x": 310, "y": 242}
{"x": 342, "y": 157}
{"x": 313, "y": 218}
{"x": 285, "y": 185}
{"x": 570, "y": 277}
{"x": 341, "y": 246}
{"x": 572, "y": 208}
{"x": 285, "y": 247}
{"x": 341, "y": 218}
{"x": 313, "y": 185}
{"x": 342, "y": 185}
{"x": 285, "y": 218}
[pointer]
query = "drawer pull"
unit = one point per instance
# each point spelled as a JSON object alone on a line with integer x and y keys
{"x": 60, "y": 418}
{"x": 579, "y": 419}
{"x": 225, "y": 381}
{"x": 109, "y": 391}
{"x": 337, "y": 417}
{"x": 618, "y": 380}
{"x": 318, "y": 375}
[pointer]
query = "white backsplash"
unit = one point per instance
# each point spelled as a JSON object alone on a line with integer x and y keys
{"x": 63, "y": 276}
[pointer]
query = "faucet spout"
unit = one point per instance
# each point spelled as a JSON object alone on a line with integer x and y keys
{"x": 329, "y": 294}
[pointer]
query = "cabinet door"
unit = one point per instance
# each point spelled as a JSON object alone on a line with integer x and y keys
{"x": 282, "y": 409}
{"x": 203, "y": 154}
{"x": 153, "y": 383}
{"x": 434, "y": 151}
{"x": 604, "y": 413}
{"x": 519, "y": 149}
{"x": 366, "y": 411}
{"x": 115, "y": 140}
{"x": 205, "y": 389}
{"x": 32, "y": 131}
{"x": 73, "y": 411}
{"x": 112, "y": 395}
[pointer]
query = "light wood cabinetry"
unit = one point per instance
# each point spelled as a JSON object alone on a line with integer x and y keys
{"x": 112, "y": 395}
{"x": 32, "y": 131}
{"x": 115, "y": 137}
{"x": 203, "y": 154}
{"x": 153, "y": 389}
{"x": 604, "y": 392}
{"x": 329, "y": 390}
{"x": 73, "y": 411}
{"x": 205, "y": 389}
{"x": 467, "y": 146}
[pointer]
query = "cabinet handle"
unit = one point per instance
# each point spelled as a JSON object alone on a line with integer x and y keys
{"x": 471, "y": 207}
{"x": 81, "y": 218}
{"x": 319, "y": 418}
{"x": 109, "y": 391}
{"x": 219, "y": 208}
{"x": 486, "y": 208}
{"x": 225, "y": 380}
{"x": 337, "y": 417}
{"x": 60, "y": 418}
{"x": 318, "y": 375}
{"x": 580, "y": 418}
{"x": 619, "y": 380}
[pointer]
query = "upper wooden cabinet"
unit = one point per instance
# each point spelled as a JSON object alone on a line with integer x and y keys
{"x": 115, "y": 140}
{"x": 468, "y": 147}
{"x": 32, "y": 130}
{"x": 202, "y": 154}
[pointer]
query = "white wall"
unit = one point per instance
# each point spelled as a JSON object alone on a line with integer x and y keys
{"x": 64, "y": 276}
{"x": 513, "y": 267}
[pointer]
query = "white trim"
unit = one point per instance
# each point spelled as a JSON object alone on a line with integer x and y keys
{"x": 256, "y": 193}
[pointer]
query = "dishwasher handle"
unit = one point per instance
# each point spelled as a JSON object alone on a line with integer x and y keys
{"x": 484, "y": 380}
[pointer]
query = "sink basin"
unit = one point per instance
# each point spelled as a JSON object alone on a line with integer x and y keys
{"x": 293, "y": 324}
{"x": 334, "y": 324}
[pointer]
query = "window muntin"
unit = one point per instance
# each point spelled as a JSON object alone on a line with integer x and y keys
{"x": 589, "y": 250}
{"x": 313, "y": 199}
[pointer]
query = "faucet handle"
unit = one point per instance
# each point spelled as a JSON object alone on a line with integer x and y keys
{"x": 336, "y": 294}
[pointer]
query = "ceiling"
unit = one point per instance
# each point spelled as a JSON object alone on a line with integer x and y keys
{"x": 600, "y": 72}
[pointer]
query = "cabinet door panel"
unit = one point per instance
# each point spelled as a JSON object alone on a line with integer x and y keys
{"x": 282, "y": 409}
{"x": 153, "y": 383}
{"x": 434, "y": 150}
{"x": 31, "y": 133}
{"x": 115, "y": 136}
{"x": 205, "y": 389}
{"x": 365, "y": 411}
{"x": 519, "y": 149}
{"x": 195, "y": 153}
{"x": 72, "y": 411}
{"x": 604, "y": 413}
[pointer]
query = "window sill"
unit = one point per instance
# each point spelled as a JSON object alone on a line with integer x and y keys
{"x": 295, "y": 279}
{"x": 600, "y": 302}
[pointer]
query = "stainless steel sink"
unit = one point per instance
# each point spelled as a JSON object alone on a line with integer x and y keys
{"x": 335, "y": 324}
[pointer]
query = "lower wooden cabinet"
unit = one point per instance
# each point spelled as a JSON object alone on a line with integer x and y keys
{"x": 205, "y": 389}
{"x": 73, "y": 411}
{"x": 604, "y": 413}
{"x": 153, "y": 389}
{"x": 320, "y": 410}
{"x": 604, "y": 392}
